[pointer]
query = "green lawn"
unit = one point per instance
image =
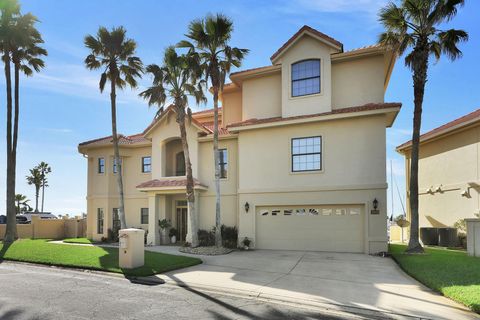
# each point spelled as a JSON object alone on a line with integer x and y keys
{"x": 79, "y": 240}
{"x": 450, "y": 272}
{"x": 90, "y": 257}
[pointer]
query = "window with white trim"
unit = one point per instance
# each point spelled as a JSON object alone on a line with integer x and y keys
{"x": 307, "y": 154}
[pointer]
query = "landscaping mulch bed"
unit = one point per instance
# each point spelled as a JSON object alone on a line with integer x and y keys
{"x": 207, "y": 251}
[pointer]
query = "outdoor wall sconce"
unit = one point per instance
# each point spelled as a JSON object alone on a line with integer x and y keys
{"x": 247, "y": 206}
{"x": 375, "y": 204}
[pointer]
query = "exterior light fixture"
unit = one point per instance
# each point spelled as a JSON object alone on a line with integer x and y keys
{"x": 375, "y": 204}
{"x": 247, "y": 206}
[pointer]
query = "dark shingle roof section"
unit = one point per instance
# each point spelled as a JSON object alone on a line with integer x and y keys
{"x": 459, "y": 122}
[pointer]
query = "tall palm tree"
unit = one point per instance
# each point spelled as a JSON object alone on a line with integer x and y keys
{"x": 21, "y": 203}
{"x": 19, "y": 44}
{"x": 114, "y": 53}
{"x": 35, "y": 179}
{"x": 415, "y": 26}
{"x": 44, "y": 169}
{"x": 210, "y": 38}
{"x": 177, "y": 78}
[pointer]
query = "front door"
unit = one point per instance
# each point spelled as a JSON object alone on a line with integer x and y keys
{"x": 182, "y": 223}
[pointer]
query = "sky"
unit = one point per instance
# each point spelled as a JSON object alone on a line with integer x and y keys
{"x": 62, "y": 106}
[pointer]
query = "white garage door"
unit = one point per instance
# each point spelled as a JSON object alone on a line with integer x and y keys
{"x": 313, "y": 228}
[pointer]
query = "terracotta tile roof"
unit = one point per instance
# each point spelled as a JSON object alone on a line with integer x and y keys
{"x": 299, "y": 32}
{"x": 457, "y": 123}
{"x": 168, "y": 182}
{"x": 366, "y": 107}
{"x": 221, "y": 131}
{"x": 202, "y": 112}
{"x": 122, "y": 140}
{"x": 165, "y": 111}
{"x": 376, "y": 45}
{"x": 264, "y": 68}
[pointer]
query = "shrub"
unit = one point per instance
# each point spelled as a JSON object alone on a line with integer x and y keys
{"x": 206, "y": 238}
{"x": 112, "y": 234}
{"x": 173, "y": 232}
{"x": 229, "y": 236}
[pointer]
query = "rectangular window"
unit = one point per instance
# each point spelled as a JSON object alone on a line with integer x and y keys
{"x": 115, "y": 169}
{"x": 100, "y": 221}
{"x": 305, "y": 77}
{"x": 146, "y": 164}
{"x": 115, "y": 219}
{"x": 223, "y": 154}
{"x": 101, "y": 165}
{"x": 144, "y": 215}
{"x": 306, "y": 154}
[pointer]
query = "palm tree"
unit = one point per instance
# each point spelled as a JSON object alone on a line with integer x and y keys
{"x": 19, "y": 42}
{"x": 21, "y": 203}
{"x": 414, "y": 26}
{"x": 210, "y": 38}
{"x": 115, "y": 54}
{"x": 176, "y": 79}
{"x": 44, "y": 169}
{"x": 35, "y": 178}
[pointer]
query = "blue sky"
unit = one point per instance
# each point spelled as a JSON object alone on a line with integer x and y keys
{"x": 62, "y": 106}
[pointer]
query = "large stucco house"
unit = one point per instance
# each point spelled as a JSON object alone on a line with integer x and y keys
{"x": 448, "y": 172}
{"x": 303, "y": 155}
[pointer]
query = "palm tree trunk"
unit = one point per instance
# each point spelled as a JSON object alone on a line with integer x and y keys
{"x": 419, "y": 80}
{"x": 37, "y": 195}
{"x": 11, "y": 228}
{"x": 192, "y": 217}
{"x": 216, "y": 158}
{"x": 43, "y": 193}
{"x": 118, "y": 161}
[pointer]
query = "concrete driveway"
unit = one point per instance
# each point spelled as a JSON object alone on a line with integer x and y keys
{"x": 355, "y": 282}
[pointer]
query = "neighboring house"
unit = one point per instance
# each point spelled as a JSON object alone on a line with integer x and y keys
{"x": 448, "y": 174}
{"x": 303, "y": 155}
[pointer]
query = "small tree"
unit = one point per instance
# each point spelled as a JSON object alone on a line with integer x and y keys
{"x": 22, "y": 203}
{"x": 35, "y": 179}
{"x": 44, "y": 169}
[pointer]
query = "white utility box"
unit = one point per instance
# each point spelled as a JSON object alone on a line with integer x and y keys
{"x": 473, "y": 237}
{"x": 131, "y": 248}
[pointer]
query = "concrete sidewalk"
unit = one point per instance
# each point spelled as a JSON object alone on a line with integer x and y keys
{"x": 335, "y": 280}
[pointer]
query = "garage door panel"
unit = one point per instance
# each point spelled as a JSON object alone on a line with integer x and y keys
{"x": 291, "y": 228}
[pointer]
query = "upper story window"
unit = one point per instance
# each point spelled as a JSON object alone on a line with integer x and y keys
{"x": 223, "y": 160}
{"x": 306, "y": 154}
{"x": 101, "y": 165}
{"x": 305, "y": 77}
{"x": 146, "y": 164}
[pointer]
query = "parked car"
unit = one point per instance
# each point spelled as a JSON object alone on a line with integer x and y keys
{"x": 3, "y": 219}
{"x": 42, "y": 215}
{"x": 22, "y": 219}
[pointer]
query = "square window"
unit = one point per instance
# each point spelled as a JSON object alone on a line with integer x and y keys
{"x": 305, "y": 77}
{"x": 306, "y": 154}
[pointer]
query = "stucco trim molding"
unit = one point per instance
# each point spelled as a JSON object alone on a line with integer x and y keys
{"x": 379, "y": 186}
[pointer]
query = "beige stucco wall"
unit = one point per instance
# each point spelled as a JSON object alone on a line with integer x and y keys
{"x": 307, "y": 48}
{"x": 450, "y": 162}
{"x": 49, "y": 229}
{"x": 357, "y": 82}
{"x": 353, "y": 171}
{"x": 262, "y": 97}
{"x": 232, "y": 107}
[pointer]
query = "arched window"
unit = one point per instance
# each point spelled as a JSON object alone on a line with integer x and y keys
{"x": 180, "y": 164}
{"x": 305, "y": 77}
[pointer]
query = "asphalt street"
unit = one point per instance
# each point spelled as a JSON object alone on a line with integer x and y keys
{"x": 36, "y": 292}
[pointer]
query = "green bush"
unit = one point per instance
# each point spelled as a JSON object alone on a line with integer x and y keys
{"x": 229, "y": 236}
{"x": 206, "y": 238}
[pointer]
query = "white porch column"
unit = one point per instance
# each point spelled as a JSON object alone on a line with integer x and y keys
{"x": 153, "y": 237}
{"x": 188, "y": 236}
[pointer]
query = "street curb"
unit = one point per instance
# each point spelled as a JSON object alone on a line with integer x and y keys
{"x": 297, "y": 302}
